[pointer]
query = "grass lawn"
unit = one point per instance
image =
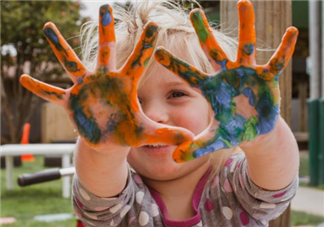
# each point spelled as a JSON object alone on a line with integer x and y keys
{"x": 25, "y": 203}
{"x": 301, "y": 218}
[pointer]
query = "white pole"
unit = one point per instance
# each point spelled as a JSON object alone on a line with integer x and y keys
{"x": 315, "y": 50}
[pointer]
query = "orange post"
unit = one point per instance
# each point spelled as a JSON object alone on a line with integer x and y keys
{"x": 25, "y": 140}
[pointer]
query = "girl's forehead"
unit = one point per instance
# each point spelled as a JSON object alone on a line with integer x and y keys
{"x": 162, "y": 75}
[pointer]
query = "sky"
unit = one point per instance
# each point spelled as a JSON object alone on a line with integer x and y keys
{"x": 93, "y": 7}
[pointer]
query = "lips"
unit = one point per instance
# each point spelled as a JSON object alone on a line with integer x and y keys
{"x": 157, "y": 149}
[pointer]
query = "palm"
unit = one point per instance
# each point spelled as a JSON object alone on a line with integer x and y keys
{"x": 244, "y": 96}
{"x": 103, "y": 105}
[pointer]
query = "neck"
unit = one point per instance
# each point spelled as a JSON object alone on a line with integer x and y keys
{"x": 179, "y": 191}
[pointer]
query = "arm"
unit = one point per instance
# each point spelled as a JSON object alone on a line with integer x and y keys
{"x": 104, "y": 175}
{"x": 273, "y": 159}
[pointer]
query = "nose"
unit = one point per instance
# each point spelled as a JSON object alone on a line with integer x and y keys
{"x": 156, "y": 111}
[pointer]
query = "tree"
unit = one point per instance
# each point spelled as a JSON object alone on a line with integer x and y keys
{"x": 22, "y": 34}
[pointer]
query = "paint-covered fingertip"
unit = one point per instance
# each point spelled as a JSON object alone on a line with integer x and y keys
{"x": 151, "y": 24}
{"x": 182, "y": 153}
{"x": 198, "y": 17}
{"x": 244, "y": 3}
{"x": 24, "y": 79}
{"x": 176, "y": 157}
{"x": 160, "y": 52}
{"x": 160, "y": 49}
{"x": 196, "y": 12}
{"x": 49, "y": 25}
{"x": 292, "y": 31}
{"x": 105, "y": 7}
{"x": 151, "y": 29}
{"x": 290, "y": 36}
{"x": 105, "y": 15}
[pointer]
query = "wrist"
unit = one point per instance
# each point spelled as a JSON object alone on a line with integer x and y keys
{"x": 97, "y": 170}
{"x": 266, "y": 139}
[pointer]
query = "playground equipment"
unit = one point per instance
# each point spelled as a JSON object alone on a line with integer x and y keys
{"x": 25, "y": 140}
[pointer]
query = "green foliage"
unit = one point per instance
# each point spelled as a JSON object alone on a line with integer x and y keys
{"x": 22, "y": 23}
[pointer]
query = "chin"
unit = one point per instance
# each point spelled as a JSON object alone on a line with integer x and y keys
{"x": 162, "y": 171}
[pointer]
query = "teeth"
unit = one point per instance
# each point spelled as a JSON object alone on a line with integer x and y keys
{"x": 155, "y": 145}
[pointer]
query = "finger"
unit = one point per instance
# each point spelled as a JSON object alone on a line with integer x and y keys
{"x": 206, "y": 142}
{"x": 107, "y": 39}
{"x": 43, "y": 90}
{"x": 246, "y": 54}
{"x": 282, "y": 56}
{"x": 155, "y": 133}
{"x": 68, "y": 59}
{"x": 136, "y": 63}
{"x": 179, "y": 67}
{"x": 207, "y": 40}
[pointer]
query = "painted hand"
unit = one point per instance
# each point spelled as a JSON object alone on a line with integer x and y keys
{"x": 245, "y": 97}
{"x": 103, "y": 105}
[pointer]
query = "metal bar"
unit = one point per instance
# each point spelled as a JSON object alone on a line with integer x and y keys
{"x": 315, "y": 50}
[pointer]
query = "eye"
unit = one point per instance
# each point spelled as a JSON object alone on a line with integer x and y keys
{"x": 139, "y": 100}
{"x": 176, "y": 94}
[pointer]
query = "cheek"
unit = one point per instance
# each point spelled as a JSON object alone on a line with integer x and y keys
{"x": 195, "y": 119}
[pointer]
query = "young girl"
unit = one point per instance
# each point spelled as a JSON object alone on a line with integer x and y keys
{"x": 130, "y": 125}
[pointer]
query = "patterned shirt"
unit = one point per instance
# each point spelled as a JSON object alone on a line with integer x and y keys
{"x": 229, "y": 199}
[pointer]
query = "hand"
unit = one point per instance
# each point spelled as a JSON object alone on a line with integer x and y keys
{"x": 103, "y": 105}
{"x": 245, "y": 97}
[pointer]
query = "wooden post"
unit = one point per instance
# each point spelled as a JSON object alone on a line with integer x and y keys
{"x": 272, "y": 18}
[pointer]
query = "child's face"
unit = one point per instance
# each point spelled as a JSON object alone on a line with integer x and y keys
{"x": 167, "y": 99}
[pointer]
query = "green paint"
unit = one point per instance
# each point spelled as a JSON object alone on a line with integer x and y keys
{"x": 202, "y": 31}
{"x": 250, "y": 126}
{"x": 146, "y": 62}
{"x": 59, "y": 96}
{"x": 228, "y": 144}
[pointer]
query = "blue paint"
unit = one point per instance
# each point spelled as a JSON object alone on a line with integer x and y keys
{"x": 105, "y": 15}
{"x": 54, "y": 39}
{"x": 147, "y": 43}
{"x": 277, "y": 64}
{"x": 151, "y": 31}
{"x": 80, "y": 79}
{"x": 222, "y": 63}
{"x": 233, "y": 129}
{"x": 267, "y": 112}
{"x": 248, "y": 48}
{"x": 224, "y": 94}
{"x": 217, "y": 145}
{"x": 71, "y": 66}
{"x": 51, "y": 35}
{"x": 87, "y": 127}
{"x": 247, "y": 92}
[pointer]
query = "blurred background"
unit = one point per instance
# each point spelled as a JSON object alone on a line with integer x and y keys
{"x": 24, "y": 49}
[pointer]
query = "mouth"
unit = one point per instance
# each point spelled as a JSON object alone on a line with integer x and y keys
{"x": 155, "y": 146}
{"x": 157, "y": 149}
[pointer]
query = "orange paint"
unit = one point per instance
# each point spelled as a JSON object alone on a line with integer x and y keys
{"x": 43, "y": 90}
{"x": 64, "y": 53}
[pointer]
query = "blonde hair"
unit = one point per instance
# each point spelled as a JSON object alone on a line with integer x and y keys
{"x": 175, "y": 34}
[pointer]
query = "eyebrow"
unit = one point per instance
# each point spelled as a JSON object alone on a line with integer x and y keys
{"x": 177, "y": 83}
